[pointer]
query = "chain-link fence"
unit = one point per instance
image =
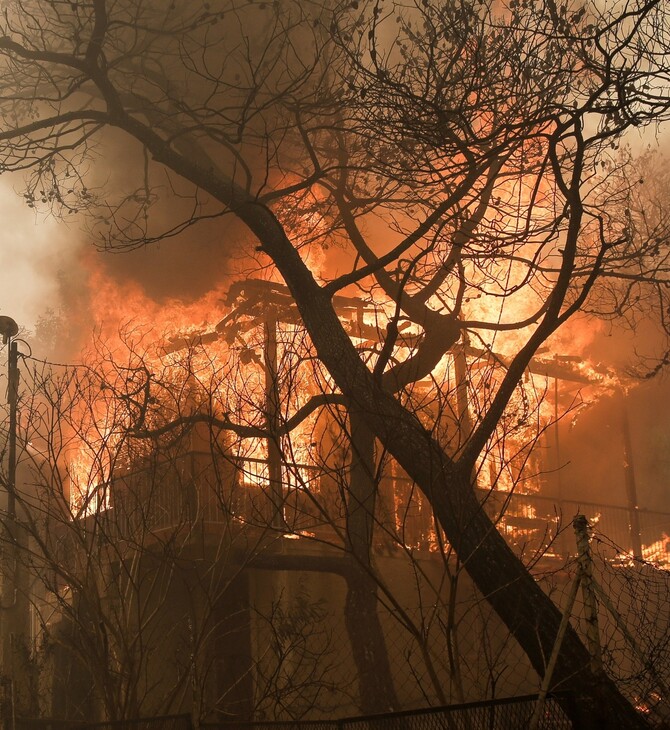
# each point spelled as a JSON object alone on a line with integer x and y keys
{"x": 165, "y": 722}
{"x": 448, "y": 646}
{"x": 630, "y": 625}
{"x": 505, "y": 714}
{"x": 274, "y": 725}
{"x": 620, "y": 607}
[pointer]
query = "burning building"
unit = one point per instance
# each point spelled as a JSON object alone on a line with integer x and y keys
{"x": 211, "y": 529}
{"x": 225, "y": 522}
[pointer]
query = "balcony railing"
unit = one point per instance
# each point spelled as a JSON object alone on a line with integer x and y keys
{"x": 309, "y": 502}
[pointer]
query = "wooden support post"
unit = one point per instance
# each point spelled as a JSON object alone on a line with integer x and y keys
{"x": 275, "y": 490}
{"x": 631, "y": 487}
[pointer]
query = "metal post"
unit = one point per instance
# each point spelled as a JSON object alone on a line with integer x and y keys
{"x": 553, "y": 659}
{"x": 581, "y": 524}
{"x": 583, "y": 577}
{"x": 9, "y": 619}
{"x": 13, "y": 398}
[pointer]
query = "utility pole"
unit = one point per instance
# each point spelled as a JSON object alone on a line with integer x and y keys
{"x": 10, "y": 621}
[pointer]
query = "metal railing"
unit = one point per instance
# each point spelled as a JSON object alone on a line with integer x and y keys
{"x": 218, "y": 490}
{"x": 528, "y": 515}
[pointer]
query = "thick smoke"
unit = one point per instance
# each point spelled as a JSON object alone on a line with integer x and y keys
{"x": 34, "y": 254}
{"x": 594, "y": 452}
{"x": 184, "y": 266}
{"x": 47, "y": 262}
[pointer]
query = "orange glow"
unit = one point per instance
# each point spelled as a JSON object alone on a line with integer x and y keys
{"x": 196, "y": 361}
{"x": 214, "y": 356}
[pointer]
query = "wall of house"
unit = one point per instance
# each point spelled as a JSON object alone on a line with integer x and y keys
{"x": 299, "y": 639}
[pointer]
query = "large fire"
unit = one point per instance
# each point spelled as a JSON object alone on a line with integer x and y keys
{"x": 239, "y": 355}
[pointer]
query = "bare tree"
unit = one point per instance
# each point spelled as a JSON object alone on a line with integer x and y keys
{"x": 462, "y": 156}
{"x": 137, "y": 536}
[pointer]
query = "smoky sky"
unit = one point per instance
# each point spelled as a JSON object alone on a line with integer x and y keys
{"x": 33, "y": 250}
{"x": 184, "y": 267}
{"x": 45, "y": 261}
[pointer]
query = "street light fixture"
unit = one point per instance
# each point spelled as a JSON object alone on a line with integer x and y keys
{"x": 8, "y": 328}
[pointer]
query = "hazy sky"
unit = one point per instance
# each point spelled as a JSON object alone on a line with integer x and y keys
{"x": 32, "y": 251}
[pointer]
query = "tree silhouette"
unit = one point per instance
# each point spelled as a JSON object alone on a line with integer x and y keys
{"x": 463, "y": 160}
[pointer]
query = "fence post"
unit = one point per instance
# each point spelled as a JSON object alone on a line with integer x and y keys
{"x": 563, "y": 627}
{"x": 631, "y": 489}
{"x": 585, "y": 562}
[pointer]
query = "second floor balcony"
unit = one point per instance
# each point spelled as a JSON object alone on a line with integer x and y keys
{"x": 238, "y": 495}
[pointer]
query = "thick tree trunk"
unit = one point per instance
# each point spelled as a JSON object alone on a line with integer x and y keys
{"x": 526, "y": 610}
{"x": 368, "y": 645}
{"x": 528, "y": 613}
